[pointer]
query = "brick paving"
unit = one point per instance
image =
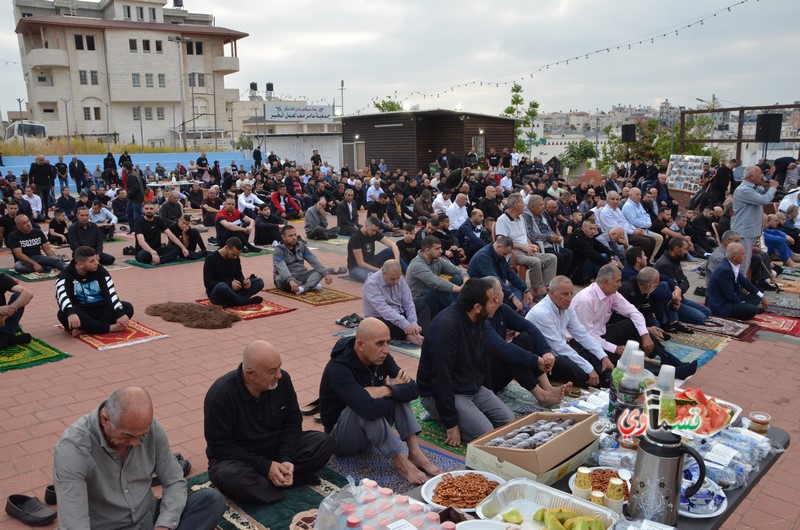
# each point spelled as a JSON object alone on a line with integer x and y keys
{"x": 39, "y": 402}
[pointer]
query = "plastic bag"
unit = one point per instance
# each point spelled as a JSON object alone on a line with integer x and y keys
{"x": 331, "y": 506}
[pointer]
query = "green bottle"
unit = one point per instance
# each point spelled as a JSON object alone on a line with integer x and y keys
{"x": 617, "y": 373}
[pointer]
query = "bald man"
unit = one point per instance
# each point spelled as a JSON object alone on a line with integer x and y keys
{"x": 103, "y": 467}
{"x": 362, "y": 393}
{"x": 253, "y": 428}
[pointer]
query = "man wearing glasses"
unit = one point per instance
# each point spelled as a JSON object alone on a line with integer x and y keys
{"x": 103, "y": 468}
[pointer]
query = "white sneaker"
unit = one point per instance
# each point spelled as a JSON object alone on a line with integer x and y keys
{"x": 275, "y": 243}
{"x": 317, "y": 287}
{"x": 300, "y": 290}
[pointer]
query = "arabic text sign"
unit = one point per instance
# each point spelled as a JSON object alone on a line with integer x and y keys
{"x": 298, "y": 112}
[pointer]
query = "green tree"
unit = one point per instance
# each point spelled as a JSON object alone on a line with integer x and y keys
{"x": 388, "y": 105}
{"x": 578, "y": 153}
{"x": 245, "y": 142}
{"x": 523, "y": 117}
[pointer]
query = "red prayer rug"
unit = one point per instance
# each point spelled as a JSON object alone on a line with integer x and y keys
{"x": 135, "y": 334}
{"x": 778, "y": 324}
{"x": 252, "y": 311}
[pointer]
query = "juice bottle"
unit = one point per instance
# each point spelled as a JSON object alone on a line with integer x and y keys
{"x": 630, "y": 396}
{"x": 617, "y": 373}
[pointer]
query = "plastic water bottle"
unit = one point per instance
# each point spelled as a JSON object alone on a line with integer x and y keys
{"x": 666, "y": 384}
{"x": 617, "y": 373}
{"x": 630, "y": 396}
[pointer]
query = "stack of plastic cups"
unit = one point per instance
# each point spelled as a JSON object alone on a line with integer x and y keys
{"x": 354, "y": 522}
{"x": 346, "y": 511}
{"x": 401, "y": 507}
{"x": 416, "y": 515}
{"x": 448, "y": 525}
{"x": 615, "y": 495}
{"x": 431, "y": 521}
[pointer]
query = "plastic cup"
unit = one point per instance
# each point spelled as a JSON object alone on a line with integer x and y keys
{"x": 615, "y": 490}
{"x": 615, "y": 505}
{"x": 583, "y": 479}
{"x": 598, "y": 497}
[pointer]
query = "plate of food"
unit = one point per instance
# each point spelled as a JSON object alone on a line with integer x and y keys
{"x": 600, "y": 478}
{"x": 710, "y": 501}
{"x": 708, "y": 415}
{"x": 460, "y": 489}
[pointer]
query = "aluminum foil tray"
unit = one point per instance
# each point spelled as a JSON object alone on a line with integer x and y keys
{"x": 528, "y": 496}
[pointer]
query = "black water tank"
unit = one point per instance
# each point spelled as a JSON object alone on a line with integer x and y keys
{"x": 270, "y": 87}
{"x": 177, "y": 3}
{"x": 254, "y": 87}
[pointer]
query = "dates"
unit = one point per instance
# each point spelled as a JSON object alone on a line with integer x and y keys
{"x": 531, "y": 436}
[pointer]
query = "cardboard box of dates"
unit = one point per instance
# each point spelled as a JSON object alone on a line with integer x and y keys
{"x": 520, "y": 449}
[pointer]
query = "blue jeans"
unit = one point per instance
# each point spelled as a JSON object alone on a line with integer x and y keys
{"x": 203, "y": 510}
{"x": 12, "y": 322}
{"x": 359, "y": 274}
{"x": 134, "y": 212}
{"x": 224, "y": 295}
{"x": 439, "y": 300}
{"x": 660, "y": 300}
{"x": 518, "y": 295}
{"x": 693, "y": 313}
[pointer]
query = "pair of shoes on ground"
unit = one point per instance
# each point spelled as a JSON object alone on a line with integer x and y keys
{"x": 678, "y": 327}
{"x": 129, "y": 251}
{"x": 349, "y": 321}
{"x": 30, "y": 510}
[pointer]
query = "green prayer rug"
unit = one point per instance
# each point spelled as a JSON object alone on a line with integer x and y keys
{"x": 265, "y": 252}
{"x": 32, "y": 276}
{"x": 34, "y": 353}
{"x": 432, "y": 432}
{"x": 160, "y": 265}
{"x": 298, "y": 503}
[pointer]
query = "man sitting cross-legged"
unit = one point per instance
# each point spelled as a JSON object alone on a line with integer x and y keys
{"x": 149, "y": 248}
{"x": 11, "y": 311}
{"x": 726, "y": 297}
{"x": 317, "y": 222}
{"x": 190, "y": 237}
{"x": 289, "y": 271}
{"x": 387, "y": 297}
{"x": 87, "y": 299}
{"x": 27, "y": 243}
{"x": 224, "y": 280}
{"x": 256, "y": 445}
{"x": 527, "y": 359}
{"x": 361, "y": 257}
{"x": 362, "y": 393}
{"x": 84, "y": 233}
{"x": 431, "y": 291}
{"x": 231, "y": 222}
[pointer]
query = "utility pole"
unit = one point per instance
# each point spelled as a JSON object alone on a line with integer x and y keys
{"x": 179, "y": 41}
{"x": 141, "y": 127}
{"x": 341, "y": 98}
{"x": 192, "y": 81}
{"x": 66, "y": 112}
{"x": 108, "y": 130}
{"x": 214, "y": 89}
{"x": 22, "y": 127}
{"x": 257, "y": 140}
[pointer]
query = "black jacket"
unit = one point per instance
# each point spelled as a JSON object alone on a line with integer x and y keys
{"x": 252, "y": 430}
{"x": 630, "y": 291}
{"x": 96, "y": 290}
{"x": 343, "y": 382}
{"x": 343, "y": 216}
{"x": 91, "y": 236}
{"x": 666, "y": 266}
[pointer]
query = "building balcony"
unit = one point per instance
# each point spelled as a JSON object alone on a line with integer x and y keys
{"x": 226, "y": 65}
{"x": 47, "y": 58}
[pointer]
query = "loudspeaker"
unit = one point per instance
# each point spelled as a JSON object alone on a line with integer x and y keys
{"x": 768, "y": 127}
{"x": 269, "y": 87}
{"x": 629, "y": 133}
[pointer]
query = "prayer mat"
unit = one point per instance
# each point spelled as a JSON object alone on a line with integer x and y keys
{"x": 693, "y": 266}
{"x": 727, "y": 327}
{"x": 406, "y": 348}
{"x": 135, "y": 334}
{"x": 351, "y": 332}
{"x": 704, "y": 341}
{"x": 778, "y": 324}
{"x": 687, "y": 353}
{"x": 116, "y": 240}
{"x": 303, "y": 500}
{"x": 34, "y": 353}
{"x": 520, "y": 401}
{"x": 265, "y": 252}
{"x": 160, "y": 265}
{"x": 380, "y": 469}
{"x": 324, "y": 296}
{"x": 432, "y": 432}
{"x": 790, "y": 286}
{"x": 784, "y": 304}
{"x": 338, "y": 242}
{"x": 790, "y": 271}
{"x": 296, "y": 221}
{"x": 32, "y": 276}
{"x": 252, "y": 311}
{"x": 346, "y": 277}
{"x": 193, "y": 315}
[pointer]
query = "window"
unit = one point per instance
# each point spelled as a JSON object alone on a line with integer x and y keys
{"x": 198, "y": 80}
{"x": 126, "y": 12}
{"x": 132, "y": 45}
{"x": 82, "y": 77}
{"x": 145, "y": 46}
{"x": 160, "y": 113}
{"x": 148, "y": 113}
{"x": 97, "y": 113}
{"x": 137, "y": 113}
{"x": 152, "y": 14}
{"x": 49, "y": 110}
{"x": 159, "y": 47}
{"x": 140, "y": 14}
{"x": 78, "y": 42}
{"x": 189, "y": 48}
{"x": 162, "y": 81}
{"x": 90, "y": 42}
{"x": 94, "y": 77}
{"x": 148, "y": 80}
{"x": 136, "y": 80}
{"x": 41, "y": 78}
{"x": 198, "y": 48}
{"x": 87, "y": 113}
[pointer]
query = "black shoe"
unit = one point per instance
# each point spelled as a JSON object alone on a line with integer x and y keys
{"x": 764, "y": 286}
{"x": 665, "y": 336}
{"x": 186, "y": 466}
{"x": 50, "y": 495}
{"x": 255, "y": 300}
{"x": 679, "y": 327}
{"x": 22, "y": 338}
{"x": 212, "y": 240}
{"x": 700, "y": 291}
{"x": 252, "y": 248}
{"x": 686, "y": 370}
{"x": 29, "y": 510}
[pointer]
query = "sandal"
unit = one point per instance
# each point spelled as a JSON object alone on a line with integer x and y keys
{"x": 355, "y": 319}
{"x": 345, "y": 321}
{"x": 310, "y": 408}
{"x": 341, "y": 270}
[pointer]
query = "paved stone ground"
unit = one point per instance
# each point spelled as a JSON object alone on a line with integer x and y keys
{"x": 36, "y": 404}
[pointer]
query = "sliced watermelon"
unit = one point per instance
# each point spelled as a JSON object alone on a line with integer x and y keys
{"x": 718, "y": 416}
{"x": 697, "y": 395}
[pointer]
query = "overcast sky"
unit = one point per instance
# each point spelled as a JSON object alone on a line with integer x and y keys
{"x": 746, "y": 56}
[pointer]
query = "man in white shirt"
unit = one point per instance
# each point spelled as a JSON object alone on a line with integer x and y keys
{"x": 637, "y": 216}
{"x": 457, "y": 212}
{"x": 248, "y": 201}
{"x": 374, "y": 190}
{"x": 441, "y": 203}
{"x": 581, "y": 359}
{"x": 541, "y": 266}
{"x": 36, "y": 204}
{"x": 508, "y": 184}
{"x": 611, "y": 216}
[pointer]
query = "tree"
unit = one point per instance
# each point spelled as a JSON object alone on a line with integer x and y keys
{"x": 523, "y": 117}
{"x": 578, "y": 153}
{"x": 388, "y": 105}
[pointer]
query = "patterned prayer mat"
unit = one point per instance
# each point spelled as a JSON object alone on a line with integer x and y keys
{"x": 790, "y": 285}
{"x": 253, "y": 311}
{"x": 726, "y": 327}
{"x": 340, "y": 241}
{"x": 135, "y": 334}
{"x": 265, "y": 252}
{"x": 521, "y": 401}
{"x": 34, "y": 353}
{"x": 346, "y": 277}
{"x": 787, "y": 305}
{"x": 351, "y": 332}
{"x": 406, "y": 348}
{"x": 687, "y": 353}
{"x": 32, "y": 276}
{"x": 322, "y": 297}
{"x": 693, "y": 266}
{"x": 115, "y": 267}
{"x": 778, "y": 324}
{"x": 160, "y": 265}
{"x": 373, "y": 465}
{"x": 302, "y": 501}
{"x": 790, "y": 271}
{"x": 432, "y": 432}
{"x": 705, "y": 341}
